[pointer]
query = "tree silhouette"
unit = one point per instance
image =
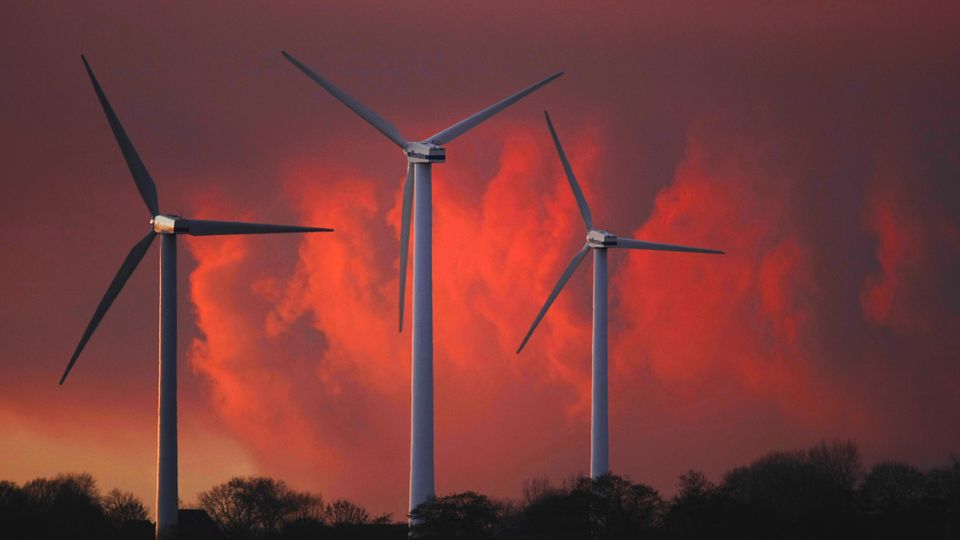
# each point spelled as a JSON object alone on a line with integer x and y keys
{"x": 617, "y": 508}
{"x": 941, "y": 502}
{"x": 697, "y": 510}
{"x": 66, "y": 506}
{"x": 123, "y": 506}
{"x": 256, "y": 506}
{"x": 609, "y": 506}
{"x": 890, "y": 499}
{"x": 15, "y": 511}
{"x": 552, "y": 513}
{"x": 809, "y": 492}
{"x": 534, "y": 488}
{"x": 816, "y": 493}
{"x": 344, "y": 512}
{"x": 461, "y": 516}
{"x": 891, "y": 486}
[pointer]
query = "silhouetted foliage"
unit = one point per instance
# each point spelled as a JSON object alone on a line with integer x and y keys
{"x": 123, "y": 506}
{"x": 551, "y": 512}
{"x": 461, "y": 516}
{"x": 15, "y": 511}
{"x": 942, "y": 499}
{"x": 265, "y": 508}
{"x": 817, "y": 493}
{"x": 196, "y": 524}
{"x": 67, "y": 506}
{"x": 344, "y": 512}
{"x": 617, "y": 508}
{"x": 258, "y": 507}
{"x": 892, "y": 497}
{"x": 697, "y": 511}
{"x": 807, "y": 493}
{"x": 609, "y": 506}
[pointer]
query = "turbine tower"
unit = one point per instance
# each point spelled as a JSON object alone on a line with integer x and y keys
{"x": 168, "y": 226}
{"x": 599, "y": 241}
{"x": 421, "y": 155}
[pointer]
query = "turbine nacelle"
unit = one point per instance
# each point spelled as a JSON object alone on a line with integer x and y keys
{"x": 172, "y": 224}
{"x": 601, "y": 239}
{"x": 425, "y": 152}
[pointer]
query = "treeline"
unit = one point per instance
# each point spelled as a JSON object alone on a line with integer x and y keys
{"x": 264, "y": 508}
{"x": 819, "y": 493}
{"x": 71, "y": 506}
{"x": 68, "y": 506}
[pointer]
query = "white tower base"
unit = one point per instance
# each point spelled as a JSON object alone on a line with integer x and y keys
{"x": 599, "y": 435}
{"x": 167, "y": 408}
{"x": 421, "y": 395}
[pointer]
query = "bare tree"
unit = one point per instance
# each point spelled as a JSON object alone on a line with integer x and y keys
{"x": 123, "y": 506}
{"x": 344, "y": 512}
{"x": 257, "y": 505}
{"x": 307, "y": 506}
{"x": 537, "y": 488}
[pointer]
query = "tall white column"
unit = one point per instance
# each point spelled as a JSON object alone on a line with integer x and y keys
{"x": 421, "y": 399}
{"x": 167, "y": 407}
{"x": 599, "y": 435}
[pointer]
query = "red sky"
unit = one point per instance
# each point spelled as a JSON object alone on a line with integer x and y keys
{"x": 817, "y": 144}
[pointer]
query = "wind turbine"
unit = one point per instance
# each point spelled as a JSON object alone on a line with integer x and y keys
{"x": 168, "y": 226}
{"x": 599, "y": 241}
{"x": 421, "y": 155}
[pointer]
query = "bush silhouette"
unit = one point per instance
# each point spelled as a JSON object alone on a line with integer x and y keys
{"x": 462, "y": 516}
{"x": 818, "y": 493}
{"x": 258, "y": 506}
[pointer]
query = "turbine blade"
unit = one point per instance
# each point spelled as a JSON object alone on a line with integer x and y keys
{"x": 581, "y": 200}
{"x": 126, "y": 269}
{"x": 145, "y": 184}
{"x": 471, "y": 122}
{"x": 405, "y": 235}
{"x": 203, "y": 227}
{"x": 630, "y": 243}
{"x": 382, "y": 125}
{"x": 556, "y": 290}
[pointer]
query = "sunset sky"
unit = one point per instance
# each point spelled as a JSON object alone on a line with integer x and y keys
{"x": 818, "y": 144}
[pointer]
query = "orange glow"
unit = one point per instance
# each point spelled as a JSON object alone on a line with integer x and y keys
{"x": 736, "y": 322}
{"x": 338, "y": 414}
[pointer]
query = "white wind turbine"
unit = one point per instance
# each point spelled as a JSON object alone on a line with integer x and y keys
{"x": 168, "y": 226}
{"x": 421, "y": 155}
{"x": 599, "y": 241}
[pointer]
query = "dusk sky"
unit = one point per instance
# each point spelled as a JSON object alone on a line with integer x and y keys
{"x": 818, "y": 144}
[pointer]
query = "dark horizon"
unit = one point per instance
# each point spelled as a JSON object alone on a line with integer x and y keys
{"x": 821, "y": 492}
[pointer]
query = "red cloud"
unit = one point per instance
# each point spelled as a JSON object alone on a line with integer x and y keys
{"x": 736, "y": 323}
{"x": 730, "y": 337}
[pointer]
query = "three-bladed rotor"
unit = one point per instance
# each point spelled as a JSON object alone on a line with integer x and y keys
{"x": 596, "y": 238}
{"x": 159, "y": 223}
{"x": 429, "y": 150}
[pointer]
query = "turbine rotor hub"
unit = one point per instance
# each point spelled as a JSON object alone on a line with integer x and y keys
{"x": 169, "y": 224}
{"x": 601, "y": 239}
